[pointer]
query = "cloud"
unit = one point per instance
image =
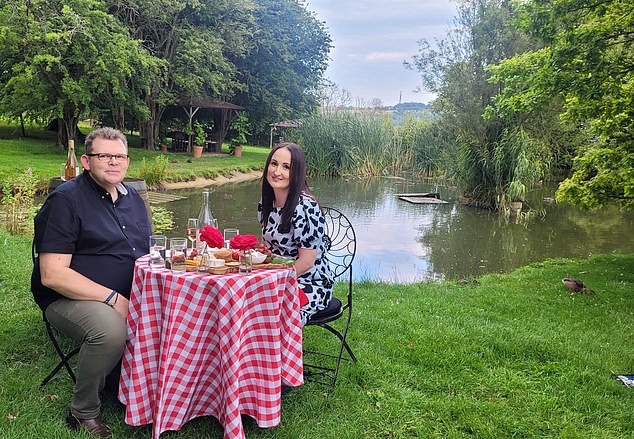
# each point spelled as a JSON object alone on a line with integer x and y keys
{"x": 379, "y": 56}
{"x": 372, "y": 38}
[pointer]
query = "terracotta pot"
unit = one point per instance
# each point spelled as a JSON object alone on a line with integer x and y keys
{"x": 197, "y": 151}
{"x": 237, "y": 151}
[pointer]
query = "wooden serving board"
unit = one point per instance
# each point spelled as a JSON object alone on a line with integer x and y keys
{"x": 269, "y": 266}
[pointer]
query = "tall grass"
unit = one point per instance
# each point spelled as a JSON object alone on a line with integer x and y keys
{"x": 496, "y": 173}
{"x": 153, "y": 172}
{"x": 368, "y": 143}
{"x": 18, "y": 196}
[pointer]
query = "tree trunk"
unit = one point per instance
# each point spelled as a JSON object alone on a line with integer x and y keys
{"x": 22, "y": 129}
{"x": 67, "y": 125}
{"x": 149, "y": 129}
{"x": 118, "y": 117}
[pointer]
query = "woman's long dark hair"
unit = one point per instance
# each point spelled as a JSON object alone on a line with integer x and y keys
{"x": 297, "y": 185}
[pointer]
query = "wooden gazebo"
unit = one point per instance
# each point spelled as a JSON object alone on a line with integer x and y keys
{"x": 223, "y": 114}
{"x": 284, "y": 124}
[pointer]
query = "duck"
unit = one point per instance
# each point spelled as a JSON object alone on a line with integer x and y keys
{"x": 576, "y": 285}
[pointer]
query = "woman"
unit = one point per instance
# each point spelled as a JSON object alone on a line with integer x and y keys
{"x": 293, "y": 225}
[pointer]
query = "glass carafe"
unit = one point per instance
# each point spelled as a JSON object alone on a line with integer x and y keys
{"x": 205, "y": 218}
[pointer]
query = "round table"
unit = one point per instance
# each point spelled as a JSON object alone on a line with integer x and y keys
{"x": 204, "y": 344}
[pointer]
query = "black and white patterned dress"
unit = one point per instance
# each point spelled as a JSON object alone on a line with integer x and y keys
{"x": 307, "y": 231}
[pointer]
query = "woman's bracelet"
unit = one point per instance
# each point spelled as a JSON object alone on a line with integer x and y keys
{"x": 112, "y": 293}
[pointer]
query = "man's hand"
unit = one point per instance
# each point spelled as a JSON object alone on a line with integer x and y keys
{"x": 121, "y": 306}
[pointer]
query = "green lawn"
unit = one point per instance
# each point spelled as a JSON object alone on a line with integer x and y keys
{"x": 39, "y": 152}
{"x": 512, "y": 355}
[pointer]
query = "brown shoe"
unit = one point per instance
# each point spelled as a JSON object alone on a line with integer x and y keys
{"x": 93, "y": 426}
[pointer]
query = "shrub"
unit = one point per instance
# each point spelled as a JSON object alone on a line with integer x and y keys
{"x": 154, "y": 172}
{"x": 18, "y": 202}
{"x": 241, "y": 129}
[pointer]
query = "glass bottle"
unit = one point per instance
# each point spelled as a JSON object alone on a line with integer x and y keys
{"x": 205, "y": 218}
{"x": 71, "y": 169}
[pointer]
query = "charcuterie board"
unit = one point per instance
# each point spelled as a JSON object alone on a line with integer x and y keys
{"x": 269, "y": 266}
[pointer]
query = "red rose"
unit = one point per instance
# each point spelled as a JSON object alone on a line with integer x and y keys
{"x": 212, "y": 237}
{"x": 243, "y": 242}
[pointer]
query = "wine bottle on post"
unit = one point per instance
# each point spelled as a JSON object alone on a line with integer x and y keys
{"x": 71, "y": 170}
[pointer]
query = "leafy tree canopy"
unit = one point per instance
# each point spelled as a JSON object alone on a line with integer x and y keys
{"x": 57, "y": 54}
{"x": 285, "y": 66}
{"x": 125, "y": 61}
{"x": 587, "y": 63}
{"x": 490, "y": 157}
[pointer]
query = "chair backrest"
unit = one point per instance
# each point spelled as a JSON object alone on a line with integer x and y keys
{"x": 341, "y": 242}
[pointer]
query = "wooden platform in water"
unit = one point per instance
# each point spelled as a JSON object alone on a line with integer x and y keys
{"x": 424, "y": 198}
{"x": 161, "y": 197}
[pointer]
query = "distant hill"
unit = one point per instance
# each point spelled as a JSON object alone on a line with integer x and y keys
{"x": 409, "y": 106}
{"x": 405, "y": 110}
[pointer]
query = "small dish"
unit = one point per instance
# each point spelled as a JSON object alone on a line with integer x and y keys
{"x": 216, "y": 262}
{"x": 257, "y": 257}
{"x": 232, "y": 267}
{"x": 218, "y": 270}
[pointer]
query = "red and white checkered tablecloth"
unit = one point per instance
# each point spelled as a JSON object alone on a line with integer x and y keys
{"x": 219, "y": 345}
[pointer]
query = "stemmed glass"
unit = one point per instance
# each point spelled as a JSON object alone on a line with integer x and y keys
{"x": 192, "y": 230}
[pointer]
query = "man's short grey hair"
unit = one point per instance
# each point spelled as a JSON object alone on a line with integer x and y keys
{"x": 105, "y": 133}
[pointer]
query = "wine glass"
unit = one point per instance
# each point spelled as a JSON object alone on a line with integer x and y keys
{"x": 192, "y": 230}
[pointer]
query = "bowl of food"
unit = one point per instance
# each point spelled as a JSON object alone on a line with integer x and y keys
{"x": 257, "y": 257}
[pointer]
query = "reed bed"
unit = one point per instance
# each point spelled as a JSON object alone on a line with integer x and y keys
{"x": 368, "y": 143}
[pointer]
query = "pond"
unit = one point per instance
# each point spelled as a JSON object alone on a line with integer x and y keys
{"x": 401, "y": 242}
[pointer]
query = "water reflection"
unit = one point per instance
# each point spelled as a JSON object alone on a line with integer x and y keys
{"x": 403, "y": 242}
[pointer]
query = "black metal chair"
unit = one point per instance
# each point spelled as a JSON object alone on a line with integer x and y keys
{"x": 341, "y": 248}
{"x": 64, "y": 357}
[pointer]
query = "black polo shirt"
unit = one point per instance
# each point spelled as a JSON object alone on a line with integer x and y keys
{"x": 105, "y": 238}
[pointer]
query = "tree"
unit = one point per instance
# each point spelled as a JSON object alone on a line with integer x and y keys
{"x": 587, "y": 64}
{"x": 488, "y": 156}
{"x": 191, "y": 43}
{"x": 58, "y": 54}
{"x": 285, "y": 65}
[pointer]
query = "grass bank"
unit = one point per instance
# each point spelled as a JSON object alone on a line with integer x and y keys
{"x": 39, "y": 152}
{"x": 512, "y": 355}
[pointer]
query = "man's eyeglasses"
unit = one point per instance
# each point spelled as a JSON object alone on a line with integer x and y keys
{"x": 102, "y": 157}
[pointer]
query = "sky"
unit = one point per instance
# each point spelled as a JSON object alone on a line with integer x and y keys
{"x": 372, "y": 38}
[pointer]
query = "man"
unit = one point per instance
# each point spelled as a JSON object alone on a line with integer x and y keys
{"x": 88, "y": 234}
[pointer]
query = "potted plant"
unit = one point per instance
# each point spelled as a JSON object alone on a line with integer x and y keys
{"x": 163, "y": 142}
{"x": 199, "y": 140}
{"x": 516, "y": 192}
{"x": 240, "y": 127}
{"x": 162, "y": 138}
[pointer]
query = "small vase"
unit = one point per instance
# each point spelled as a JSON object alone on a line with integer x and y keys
{"x": 246, "y": 263}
